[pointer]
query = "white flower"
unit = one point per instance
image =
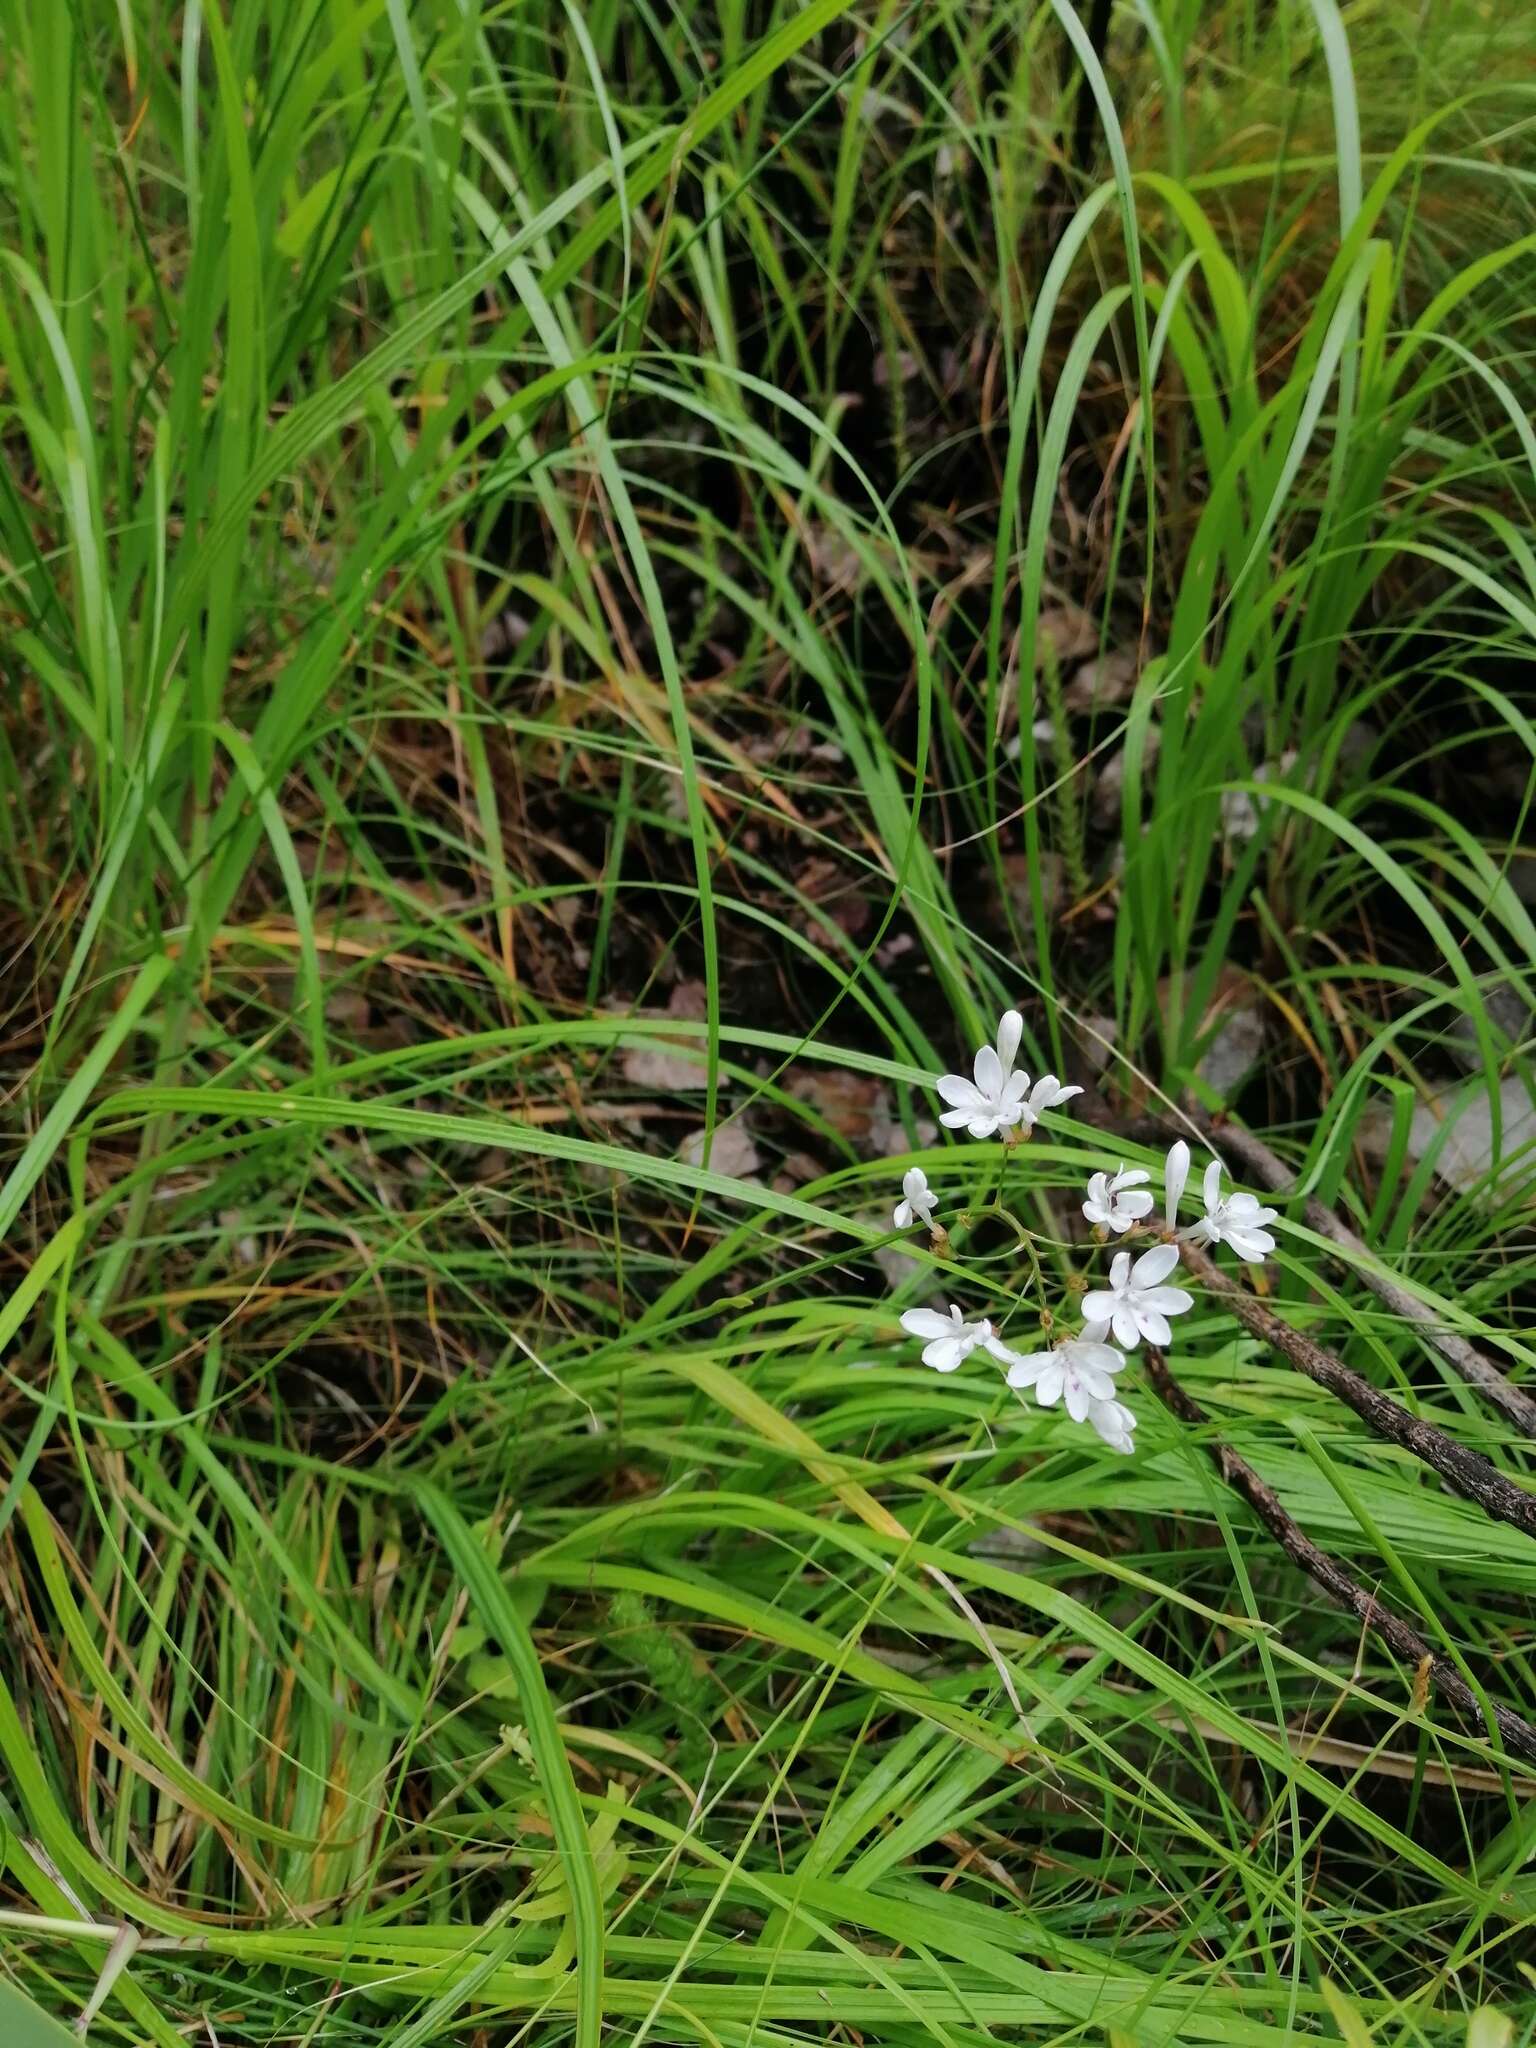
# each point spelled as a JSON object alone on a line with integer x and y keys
{"x": 1136, "y": 1304}
{"x": 999, "y": 1097}
{"x": 1175, "y": 1173}
{"x": 1080, "y": 1370}
{"x": 950, "y": 1339}
{"x": 1119, "y": 1201}
{"x": 994, "y": 1101}
{"x": 1114, "y": 1423}
{"x": 1047, "y": 1093}
{"x": 916, "y": 1204}
{"x": 1237, "y": 1220}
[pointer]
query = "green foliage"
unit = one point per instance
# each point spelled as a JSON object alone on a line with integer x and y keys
{"x": 534, "y": 546}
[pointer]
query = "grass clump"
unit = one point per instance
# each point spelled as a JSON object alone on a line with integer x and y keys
{"x": 588, "y": 598}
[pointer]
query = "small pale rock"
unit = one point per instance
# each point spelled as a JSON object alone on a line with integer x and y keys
{"x": 1016, "y": 1550}
{"x": 896, "y": 1263}
{"x": 1097, "y": 1039}
{"x": 1235, "y": 1051}
{"x": 891, "y": 1139}
{"x": 1467, "y": 1157}
{"x": 1108, "y": 680}
{"x": 1046, "y": 877}
{"x": 1510, "y": 1018}
{"x": 732, "y": 1151}
{"x": 857, "y": 1106}
{"x": 1070, "y": 630}
{"x": 663, "y": 1071}
{"x": 1241, "y": 811}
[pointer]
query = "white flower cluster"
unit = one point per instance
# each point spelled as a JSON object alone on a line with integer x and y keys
{"x": 1000, "y": 1098}
{"x": 1078, "y": 1372}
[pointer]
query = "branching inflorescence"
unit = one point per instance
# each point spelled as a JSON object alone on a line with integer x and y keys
{"x": 1079, "y": 1372}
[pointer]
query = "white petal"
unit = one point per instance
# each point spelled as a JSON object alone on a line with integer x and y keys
{"x": 1119, "y": 1276}
{"x": 1099, "y": 1307}
{"x": 1014, "y": 1088}
{"x": 956, "y": 1090}
{"x": 1126, "y": 1329}
{"x": 902, "y": 1219}
{"x": 1153, "y": 1326}
{"x": 1175, "y": 1173}
{"x": 1167, "y": 1301}
{"x": 984, "y": 1125}
{"x": 914, "y": 1182}
{"x": 1213, "y": 1185}
{"x": 945, "y": 1353}
{"x": 1114, "y": 1423}
{"x": 1132, "y": 1177}
{"x": 1077, "y": 1399}
{"x": 927, "y": 1322}
{"x": 1135, "y": 1203}
{"x": 1252, "y": 1245}
{"x": 952, "y": 1119}
{"x": 1154, "y": 1265}
{"x": 999, "y": 1350}
{"x": 989, "y": 1073}
{"x": 1098, "y": 1386}
{"x": 1098, "y": 1187}
{"x": 1095, "y": 1328}
{"x": 1010, "y": 1030}
{"x": 1100, "y": 1212}
{"x": 1027, "y": 1368}
{"x": 1096, "y": 1358}
{"x": 1049, "y": 1383}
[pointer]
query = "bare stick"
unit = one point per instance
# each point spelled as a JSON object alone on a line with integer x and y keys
{"x": 1518, "y": 1735}
{"x": 1472, "y": 1475}
{"x": 1512, "y": 1402}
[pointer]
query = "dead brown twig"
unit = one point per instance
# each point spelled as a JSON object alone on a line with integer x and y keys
{"x": 1518, "y": 1735}
{"x": 1513, "y": 1403}
{"x": 1473, "y": 1476}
